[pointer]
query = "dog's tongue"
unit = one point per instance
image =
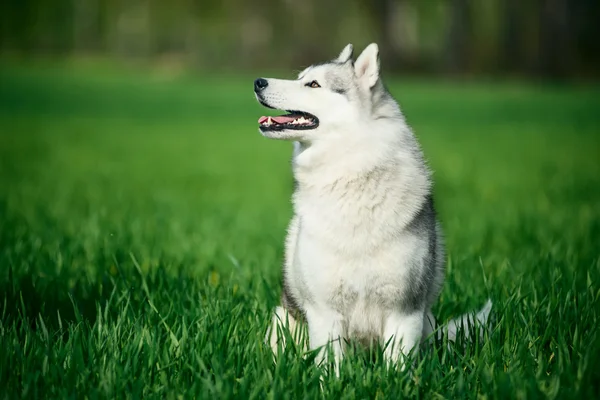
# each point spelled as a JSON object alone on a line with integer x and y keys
{"x": 281, "y": 119}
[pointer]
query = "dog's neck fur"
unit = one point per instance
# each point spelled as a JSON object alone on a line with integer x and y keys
{"x": 336, "y": 170}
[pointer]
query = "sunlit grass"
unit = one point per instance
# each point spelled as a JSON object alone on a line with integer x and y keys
{"x": 142, "y": 224}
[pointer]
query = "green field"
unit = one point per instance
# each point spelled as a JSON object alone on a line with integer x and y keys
{"x": 142, "y": 221}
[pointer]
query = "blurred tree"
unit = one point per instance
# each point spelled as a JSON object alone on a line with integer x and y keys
{"x": 510, "y": 37}
{"x": 555, "y": 38}
{"x": 459, "y": 36}
{"x": 86, "y": 25}
{"x": 585, "y": 17}
{"x": 550, "y": 38}
{"x": 384, "y": 15}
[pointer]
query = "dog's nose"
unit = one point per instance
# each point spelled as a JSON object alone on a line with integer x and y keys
{"x": 260, "y": 84}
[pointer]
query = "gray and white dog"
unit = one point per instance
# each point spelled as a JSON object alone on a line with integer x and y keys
{"x": 364, "y": 252}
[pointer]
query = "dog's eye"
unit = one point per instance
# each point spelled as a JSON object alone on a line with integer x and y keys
{"x": 313, "y": 84}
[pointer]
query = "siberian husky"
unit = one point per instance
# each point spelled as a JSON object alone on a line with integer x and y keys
{"x": 364, "y": 253}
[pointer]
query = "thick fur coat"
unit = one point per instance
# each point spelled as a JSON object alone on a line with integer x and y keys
{"x": 364, "y": 253}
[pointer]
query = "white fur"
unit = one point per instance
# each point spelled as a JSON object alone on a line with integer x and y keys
{"x": 367, "y": 65}
{"x": 361, "y": 178}
{"x": 345, "y": 54}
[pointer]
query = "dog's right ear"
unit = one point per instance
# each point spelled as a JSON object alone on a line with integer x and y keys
{"x": 366, "y": 66}
{"x": 346, "y": 54}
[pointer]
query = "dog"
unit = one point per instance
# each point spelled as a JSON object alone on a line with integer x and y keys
{"x": 364, "y": 252}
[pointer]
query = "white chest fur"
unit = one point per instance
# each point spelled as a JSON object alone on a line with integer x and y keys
{"x": 352, "y": 252}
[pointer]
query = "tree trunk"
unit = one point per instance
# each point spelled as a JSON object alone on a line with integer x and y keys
{"x": 554, "y": 39}
{"x": 511, "y": 49}
{"x": 459, "y": 37}
{"x": 382, "y": 14}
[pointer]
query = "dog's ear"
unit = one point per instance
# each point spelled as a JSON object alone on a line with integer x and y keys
{"x": 367, "y": 65}
{"x": 346, "y": 54}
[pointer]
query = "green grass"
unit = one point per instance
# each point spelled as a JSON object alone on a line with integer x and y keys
{"x": 142, "y": 222}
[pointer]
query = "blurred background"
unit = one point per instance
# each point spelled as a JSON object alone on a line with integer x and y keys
{"x": 534, "y": 38}
{"x": 132, "y": 169}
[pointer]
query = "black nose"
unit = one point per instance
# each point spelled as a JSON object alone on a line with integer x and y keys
{"x": 260, "y": 84}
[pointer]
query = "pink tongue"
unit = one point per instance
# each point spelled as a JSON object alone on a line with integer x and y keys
{"x": 282, "y": 119}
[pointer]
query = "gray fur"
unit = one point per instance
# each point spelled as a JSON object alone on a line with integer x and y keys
{"x": 364, "y": 251}
{"x": 426, "y": 279}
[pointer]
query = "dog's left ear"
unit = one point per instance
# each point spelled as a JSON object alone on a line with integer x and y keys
{"x": 367, "y": 65}
{"x": 346, "y": 54}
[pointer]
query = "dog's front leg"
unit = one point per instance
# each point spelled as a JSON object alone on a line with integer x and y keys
{"x": 402, "y": 333}
{"x": 325, "y": 327}
{"x": 282, "y": 319}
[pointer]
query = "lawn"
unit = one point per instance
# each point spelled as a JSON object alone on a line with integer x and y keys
{"x": 142, "y": 222}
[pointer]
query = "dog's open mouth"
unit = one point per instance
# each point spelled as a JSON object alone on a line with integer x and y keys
{"x": 293, "y": 120}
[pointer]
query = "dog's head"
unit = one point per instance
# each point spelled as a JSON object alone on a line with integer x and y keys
{"x": 326, "y": 97}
